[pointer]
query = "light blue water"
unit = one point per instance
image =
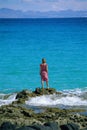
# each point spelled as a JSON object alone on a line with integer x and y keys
{"x": 24, "y": 42}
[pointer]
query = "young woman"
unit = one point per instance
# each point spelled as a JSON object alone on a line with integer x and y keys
{"x": 44, "y": 73}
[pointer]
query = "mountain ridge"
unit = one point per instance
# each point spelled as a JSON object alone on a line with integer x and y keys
{"x": 11, "y": 13}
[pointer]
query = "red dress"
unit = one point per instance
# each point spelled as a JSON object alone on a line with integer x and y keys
{"x": 44, "y": 74}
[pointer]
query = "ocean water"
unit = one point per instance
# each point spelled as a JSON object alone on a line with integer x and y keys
{"x": 63, "y": 42}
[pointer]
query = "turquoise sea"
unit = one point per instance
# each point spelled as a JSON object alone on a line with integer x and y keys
{"x": 24, "y": 42}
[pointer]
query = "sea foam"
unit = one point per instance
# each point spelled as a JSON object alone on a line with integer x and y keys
{"x": 7, "y": 101}
{"x": 67, "y": 98}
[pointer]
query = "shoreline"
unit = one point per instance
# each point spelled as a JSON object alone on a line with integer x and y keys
{"x": 17, "y": 113}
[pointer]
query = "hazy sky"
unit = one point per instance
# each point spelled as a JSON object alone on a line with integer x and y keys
{"x": 44, "y": 5}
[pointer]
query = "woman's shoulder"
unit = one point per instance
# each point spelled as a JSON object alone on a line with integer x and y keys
{"x": 43, "y": 64}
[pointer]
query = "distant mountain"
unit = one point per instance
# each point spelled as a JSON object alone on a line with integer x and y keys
{"x": 10, "y": 13}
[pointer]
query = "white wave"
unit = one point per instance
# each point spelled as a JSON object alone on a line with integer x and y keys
{"x": 2, "y": 95}
{"x": 54, "y": 100}
{"x": 7, "y": 101}
{"x": 76, "y": 91}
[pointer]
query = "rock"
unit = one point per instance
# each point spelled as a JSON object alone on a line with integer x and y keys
{"x": 69, "y": 126}
{"x": 25, "y": 128}
{"x": 84, "y": 129}
{"x": 40, "y": 91}
{"x": 22, "y": 95}
{"x": 27, "y": 113}
{"x": 41, "y": 127}
{"x": 7, "y": 126}
{"x": 53, "y": 125}
{"x": 16, "y": 115}
{"x": 22, "y": 116}
{"x": 19, "y": 114}
{"x": 25, "y": 94}
{"x": 47, "y": 126}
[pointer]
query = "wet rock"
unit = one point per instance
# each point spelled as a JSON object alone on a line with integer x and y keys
{"x": 25, "y": 94}
{"x": 18, "y": 114}
{"x": 70, "y": 126}
{"x": 84, "y": 129}
{"x": 22, "y": 95}
{"x": 47, "y": 126}
{"x": 7, "y": 126}
{"x": 53, "y": 125}
{"x": 25, "y": 128}
{"x": 27, "y": 113}
{"x": 40, "y": 91}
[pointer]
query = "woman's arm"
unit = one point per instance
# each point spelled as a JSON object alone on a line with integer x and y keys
{"x": 47, "y": 68}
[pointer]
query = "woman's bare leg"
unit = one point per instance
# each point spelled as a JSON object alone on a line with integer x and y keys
{"x": 42, "y": 82}
{"x": 47, "y": 84}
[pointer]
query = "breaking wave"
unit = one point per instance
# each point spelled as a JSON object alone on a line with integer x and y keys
{"x": 67, "y": 98}
{"x": 7, "y": 99}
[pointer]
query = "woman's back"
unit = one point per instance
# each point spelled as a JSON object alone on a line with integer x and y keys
{"x": 43, "y": 67}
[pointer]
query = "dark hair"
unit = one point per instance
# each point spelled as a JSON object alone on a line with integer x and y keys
{"x": 43, "y": 60}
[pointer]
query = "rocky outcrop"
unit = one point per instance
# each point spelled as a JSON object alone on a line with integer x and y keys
{"x": 22, "y": 116}
{"x": 7, "y": 126}
{"x": 45, "y": 91}
{"x": 69, "y": 126}
{"x": 25, "y": 94}
{"x": 46, "y": 126}
{"x": 18, "y": 117}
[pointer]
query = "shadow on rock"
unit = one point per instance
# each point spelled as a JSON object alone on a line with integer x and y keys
{"x": 46, "y": 126}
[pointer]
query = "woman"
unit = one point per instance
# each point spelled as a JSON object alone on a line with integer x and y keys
{"x": 44, "y": 73}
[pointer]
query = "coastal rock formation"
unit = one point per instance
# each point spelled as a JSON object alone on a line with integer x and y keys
{"x": 23, "y": 117}
{"x": 45, "y": 91}
{"x": 17, "y": 116}
{"x": 38, "y": 92}
{"x": 69, "y": 126}
{"x": 7, "y": 126}
{"x": 46, "y": 126}
{"x": 25, "y": 94}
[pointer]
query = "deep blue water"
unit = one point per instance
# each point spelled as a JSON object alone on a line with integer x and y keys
{"x": 24, "y": 42}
